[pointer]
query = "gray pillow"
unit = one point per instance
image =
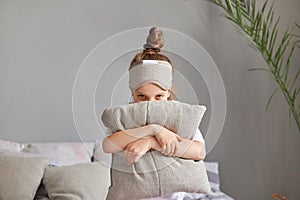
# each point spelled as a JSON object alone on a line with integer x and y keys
{"x": 79, "y": 181}
{"x": 20, "y": 176}
{"x": 125, "y": 116}
{"x": 179, "y": 117}
{"x": 155, "y": 174}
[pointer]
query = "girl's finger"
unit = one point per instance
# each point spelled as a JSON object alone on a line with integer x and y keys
{"x": 179, "y": 139}
{"x": 132, "y": 157}
{"x": 172, "y": 148}
{"x": 163, "y": 149}
{"x": 168, "y": 148}
{"x": 175, "y": 146}
{"x": 136, "y": 157}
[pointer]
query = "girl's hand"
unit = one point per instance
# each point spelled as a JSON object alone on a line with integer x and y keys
{"x": 168, "y": 140}
{"x": 135, "y": 150}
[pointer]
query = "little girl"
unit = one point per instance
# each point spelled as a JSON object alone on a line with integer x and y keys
{"x": 150, "y": 78}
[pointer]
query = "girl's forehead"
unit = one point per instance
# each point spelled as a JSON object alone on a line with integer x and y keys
{"x": 149, "y": 87}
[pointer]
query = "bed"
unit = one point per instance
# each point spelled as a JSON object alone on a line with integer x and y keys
{"x": 66, "y": 158}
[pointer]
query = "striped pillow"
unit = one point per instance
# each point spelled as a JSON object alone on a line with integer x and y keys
{"x": 212, "y": 169}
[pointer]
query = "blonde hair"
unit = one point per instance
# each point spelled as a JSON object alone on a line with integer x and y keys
{"x": 154, "y": 43}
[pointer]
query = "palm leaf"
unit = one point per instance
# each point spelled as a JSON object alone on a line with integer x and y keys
{"x": 269, "y": 101}
{"x": 257, "y": 26}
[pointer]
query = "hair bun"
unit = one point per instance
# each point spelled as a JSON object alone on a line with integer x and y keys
{"x": 154, "y": 39}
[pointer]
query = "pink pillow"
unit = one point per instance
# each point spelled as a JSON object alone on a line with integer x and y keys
{"x": 62, "y": 153}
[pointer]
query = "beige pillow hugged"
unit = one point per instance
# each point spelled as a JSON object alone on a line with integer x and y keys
{"x": 155, "y": 174}
{"x": 125, "y": 116}
{"x": 20, "y": 176}
{"x": 76, "y": 182}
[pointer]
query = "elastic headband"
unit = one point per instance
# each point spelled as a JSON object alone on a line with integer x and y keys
{"x": 151, "y": 71}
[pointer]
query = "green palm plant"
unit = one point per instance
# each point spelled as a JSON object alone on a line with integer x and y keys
{"x": 258, "y": 27}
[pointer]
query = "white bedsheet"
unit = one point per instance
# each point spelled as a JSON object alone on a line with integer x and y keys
{"x": 215, "y": 195}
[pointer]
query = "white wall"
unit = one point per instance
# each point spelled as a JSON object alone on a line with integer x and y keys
{"x": 43, "y": 44}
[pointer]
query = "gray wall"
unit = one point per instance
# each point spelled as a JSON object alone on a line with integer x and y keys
{"x": 43, "y": 44}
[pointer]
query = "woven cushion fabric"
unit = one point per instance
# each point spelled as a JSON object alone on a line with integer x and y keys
{"x": 76, "y": 182}
{"x": 125, "y": 116}
{"x": 155, "y": 174}
{"x": 20, "y": 176}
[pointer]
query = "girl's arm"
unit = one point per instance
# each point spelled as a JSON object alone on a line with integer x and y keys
{"x": 119, "y": 140}
{"x": 188, "y": 149}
